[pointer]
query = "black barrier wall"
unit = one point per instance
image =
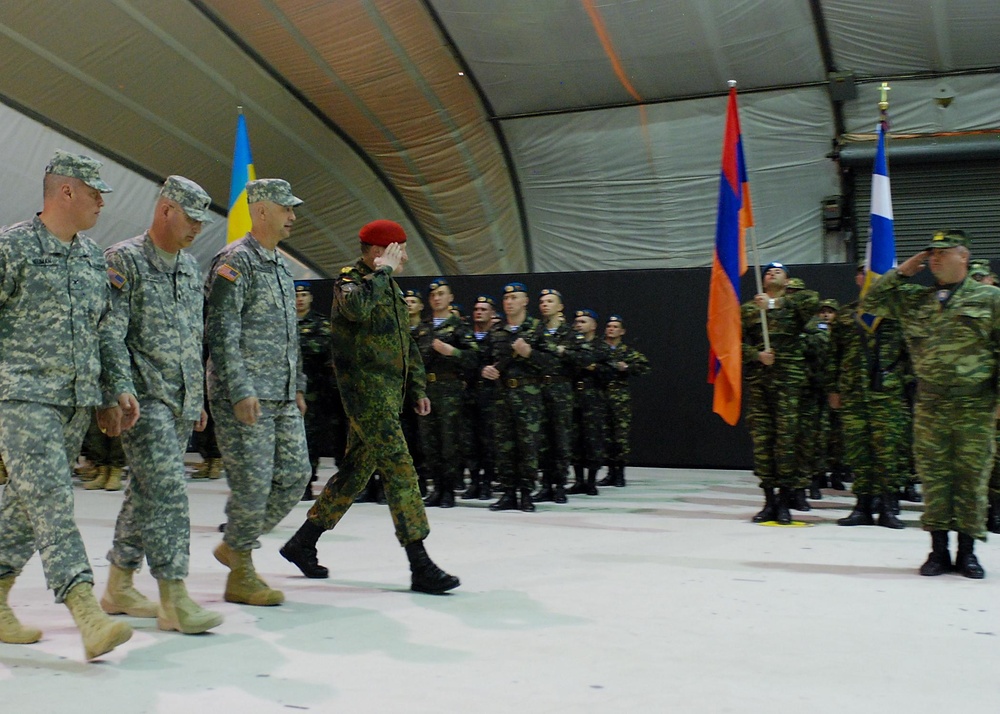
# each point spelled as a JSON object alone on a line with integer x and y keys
{"x": 665, "y": 313}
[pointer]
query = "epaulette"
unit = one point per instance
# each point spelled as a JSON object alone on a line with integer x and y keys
{"x": 346, "y": 269}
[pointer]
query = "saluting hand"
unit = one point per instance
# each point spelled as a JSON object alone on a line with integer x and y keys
{"x": 913, "y": 265}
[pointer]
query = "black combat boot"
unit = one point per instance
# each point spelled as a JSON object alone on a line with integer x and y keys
{"x": 526, "y": 503}
{"x": 782, "y": 515}
{"x": 475, "y": 486}
{"x": 300, "y": 550}
{"x": 966, "y": 562}
{"x": 507, "y": 502}
{"x": 886, "y": 516}
{"x": 769, "y": 511}
{"x": 427, "y": 577}
{"x": 609, "y": 479}
{"x": 798, "y": 501}
{"x": 486, "y": 486}
{"x": 815, "y": 485}
{"x": 862, "y": 513}
{"x": 308, "y": 495}
{"x": 447, "y": 495}
{"x": 939, "y": 560}
{"x": 993, "y": 516}
{"x": 559, "y": 494}
{"x": 580, "y": 484}
{"x": 434, "y": 500}
{"x": 592, "y": 481}
{"x": 545, "y": 493}
{"x": 910, "y": 493}
{"x": 620, "y": 476}
{"x": 836, "y": 479}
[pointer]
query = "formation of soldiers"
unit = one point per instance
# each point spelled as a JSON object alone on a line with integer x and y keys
{"x": 518, "y": 402}
{"x": 832, "y": 394}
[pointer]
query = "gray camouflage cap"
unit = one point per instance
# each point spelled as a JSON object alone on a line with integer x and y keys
{"x": 78, "y": 166}
{"x": 190, "y": 196}
{"x": 275, "y": 190}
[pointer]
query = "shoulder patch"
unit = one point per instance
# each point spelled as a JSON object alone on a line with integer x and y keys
{"x": 116, "y": 279}
{"x": 228, "y": 272}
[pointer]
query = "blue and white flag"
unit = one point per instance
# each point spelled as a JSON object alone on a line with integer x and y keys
{"x": 880, "y": 253}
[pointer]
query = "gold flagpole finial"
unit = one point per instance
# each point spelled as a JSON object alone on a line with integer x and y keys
{"x": 884, "y": 101}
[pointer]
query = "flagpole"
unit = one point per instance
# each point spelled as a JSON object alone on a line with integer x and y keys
{"x": 756, "y": 272}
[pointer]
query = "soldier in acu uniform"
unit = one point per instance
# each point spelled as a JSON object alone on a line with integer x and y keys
{"x": 157, "y": 301}
{"x": 256, "y": 385}
{"x": 55, "y": 344}
{"x": 449, "y": 352}
{"x": 775, "y": 379}
{"x": 952, "y": 330}
{"x": 376, "y": 361}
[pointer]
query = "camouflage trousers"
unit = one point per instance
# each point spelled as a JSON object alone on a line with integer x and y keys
{"x": 39, "y": 444}
{"x": 814, "y": 434}
{"x": 557, "y": 431}
{"x": 477, "y": 434}
{"x": 874, "y": 432}
{"x": 517, "y": 429}
{"x": 619, "y": 421}
{"x": 376, "y": 445}
{"x": 101, "y": 449}
{"x": 773, "y": 417}
{"x": 591, "y": 420}
{"x": 440, "y": 432}
{"x": 953, "y": 446}
{"x": 994, "y": 489}
{"x": 267, "y": 468}
{"x": 154, "y": 521}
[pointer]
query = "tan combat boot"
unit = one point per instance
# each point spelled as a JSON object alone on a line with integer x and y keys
{"x": 100, "y": 633}
{"x": 215, "y": 468}
{"x": 121, "y": 598}
{"x": 179, "y": 612}
{"x": 201, "y": 470}
{"x": 243, "y": 584}
{"x": 11, "y": 630}
{"x": 115, "y": 476}
{"x": 100, "y": 480}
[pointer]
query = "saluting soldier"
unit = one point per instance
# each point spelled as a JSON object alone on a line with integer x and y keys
{"x": 449, "y": 352}
{"x": 256, "y": 385}
{"x": 157, "y": 311}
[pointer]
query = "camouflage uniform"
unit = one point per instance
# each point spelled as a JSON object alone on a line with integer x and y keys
{"x": 446, "y": 374}
{"x": 619, "y": 396}
{"x": 157, "y": 313}
{"x": 253, "y": 342}
{"x": 557, "y": 404}
{"x": 867, "y": 368}
{"x": 53, "y": 303}
{"x": 773, "y": 392}
{"x": 378, "y": 367}
{"x": 813, "y": 407}
{"x": 517, "y": 412}
{"x": 481, "y": 396}
{"x": 323, "y": 418}
{"x": 954, "y": 349}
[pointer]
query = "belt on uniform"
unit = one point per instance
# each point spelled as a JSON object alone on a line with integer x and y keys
{"x": 442, "y": 377}
{"x": 966, "y": 390}
{"x": 554, "y": 379}
{"x": 515, "y": 382}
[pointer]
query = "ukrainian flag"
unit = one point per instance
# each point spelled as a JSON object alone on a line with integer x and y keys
{"x": 238, "y": 223}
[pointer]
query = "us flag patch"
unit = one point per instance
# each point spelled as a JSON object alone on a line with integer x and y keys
{"x": 228, "y": 272}
{"x": 116, "y": 278}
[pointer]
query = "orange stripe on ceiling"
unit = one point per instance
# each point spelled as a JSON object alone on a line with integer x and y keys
{"x": 609, "y": 49}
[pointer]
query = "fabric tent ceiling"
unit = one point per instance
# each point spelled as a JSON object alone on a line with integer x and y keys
{"x": 509, "y": 135}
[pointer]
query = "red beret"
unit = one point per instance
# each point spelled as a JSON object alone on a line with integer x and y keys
{"x": 382, "y": 232}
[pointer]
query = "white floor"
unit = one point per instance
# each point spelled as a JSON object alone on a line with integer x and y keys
{"x": 660, "y": 597}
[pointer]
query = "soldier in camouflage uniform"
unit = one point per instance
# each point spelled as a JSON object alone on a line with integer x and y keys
{"x": 953, "y": 333}
{"x": 516, "y": 361}
{"x": 865, "y": 378}
{"x": 594, "y": 369}
{"x": 627, "y": 362}
{"x": 813, "y": 410}
{"x": 106, "y": 454}
{"x": 480, "y": 400}
{"x": 559, "y": 340}
{"x": 55, "y": 344}
{"x": 449, "y": 352}
{"x": 376, "y": 361}
{"x": 256, "y": 385}
{"x": 157, "y": 310}
{"x": 774, "y": 380}
{"x": 321, "y": 418}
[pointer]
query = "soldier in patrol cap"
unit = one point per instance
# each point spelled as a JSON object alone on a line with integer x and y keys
{"x": 449, "y": 352}
{"x": 376, "y": 361}
{"x": 953, "y": 331}
{"x": 57, "y": 353}
{"x": 256, "y": 385}
{"x": 794, "y": 285}
{"x": 516, "y": 361}
{"x": 157, "y": 311}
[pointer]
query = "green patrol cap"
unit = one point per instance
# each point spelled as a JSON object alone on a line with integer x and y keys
{"x": 978, "y": 272}
{"x": 951, "y": 238}
{"x": 830, "y": 303}
{"x": 78, "y": 166}
{"x": 189, "y": 196}
{"x": 795, "y": 284}
{"x": 274, "y": 190}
